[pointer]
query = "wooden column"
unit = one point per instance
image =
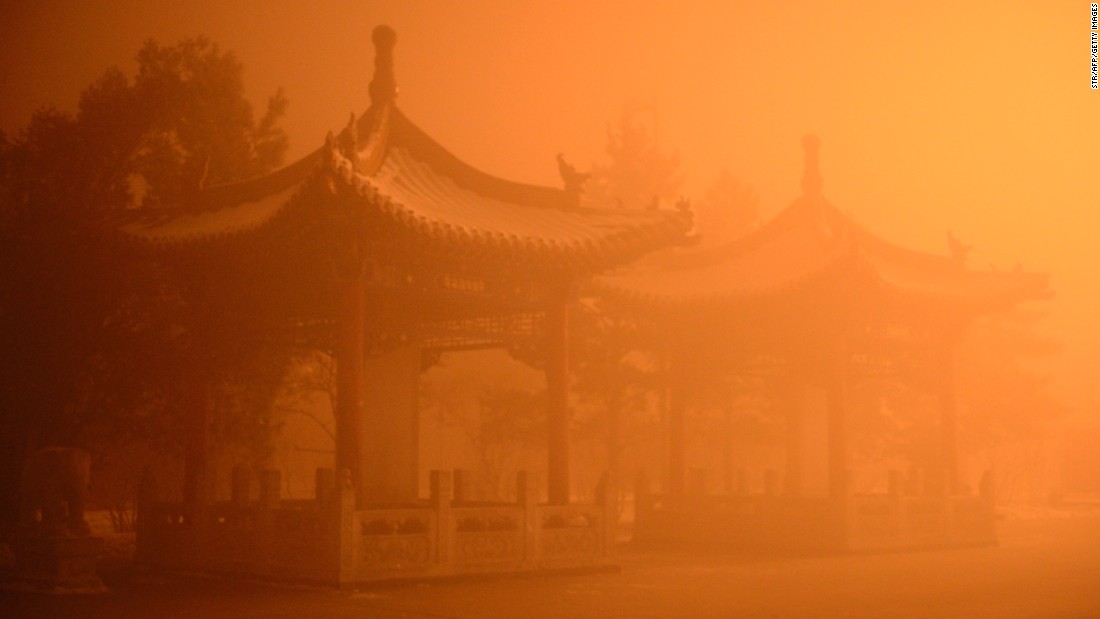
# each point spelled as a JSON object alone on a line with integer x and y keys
{"x": 836, "y": 395}
{"x": 664, "y": 423}
{"x": 612, "y": 481}
{"x": 727, "y": 440}
{"x": 196, "y": 473}
{"x": 677, "y": 439}
{"x": 794, "y": 431}
{"x": 389, "y": 433}
{"x": 350, "y": 353}
{"x": 557, "y": 385}
{"x": 949, "y": 454}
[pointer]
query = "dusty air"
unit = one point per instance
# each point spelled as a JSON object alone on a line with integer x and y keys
{"x": 570, "y": 309}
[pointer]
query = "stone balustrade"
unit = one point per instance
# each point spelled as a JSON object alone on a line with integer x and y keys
{"x": 910, "y": 515}
{"x": 330, "y": 539}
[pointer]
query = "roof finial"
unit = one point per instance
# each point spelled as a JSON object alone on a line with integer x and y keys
{"x": 811, "y": 175}
{"x": 383, "y": 86}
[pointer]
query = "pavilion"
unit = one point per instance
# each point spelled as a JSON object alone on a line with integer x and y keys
{"x": 815, "y": 303}
{"x": 407, "y": 251}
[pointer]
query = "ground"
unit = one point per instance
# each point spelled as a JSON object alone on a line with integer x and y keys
{"x": 1044, "y": 567}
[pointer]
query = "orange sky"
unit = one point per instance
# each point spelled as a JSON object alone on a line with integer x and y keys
{"x": 976, "y": 119}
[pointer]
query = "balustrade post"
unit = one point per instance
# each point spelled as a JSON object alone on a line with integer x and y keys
{"x": 270, "y": 496}
{"x": 442, "y": 493}
{"x": 345, "y": 529}
{"x": 527, "y": 497}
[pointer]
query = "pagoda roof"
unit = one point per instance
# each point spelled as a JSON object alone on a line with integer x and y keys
{"x": 812, "y": 243}
{"x": 412, "y": 186}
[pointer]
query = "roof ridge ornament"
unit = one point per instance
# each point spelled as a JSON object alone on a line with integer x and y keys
{"x": 383, "y": 85}
{"x": 572, "y": 180}
{"x": 811, "y": 173}
{"x": 959, "y": 250}
{"x": 348, "y": 142}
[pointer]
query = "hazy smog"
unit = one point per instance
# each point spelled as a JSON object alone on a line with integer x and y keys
{"x": 549, "y": 309}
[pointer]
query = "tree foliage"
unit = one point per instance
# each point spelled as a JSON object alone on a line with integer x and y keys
{"x": 92, "y": 336}
{"x": 638, "y": 174}
{"x": 199, "y": 128}
{"x": 727, "y": 211}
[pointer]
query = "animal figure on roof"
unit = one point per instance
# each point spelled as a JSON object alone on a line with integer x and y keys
{"x": 572, "y": 180}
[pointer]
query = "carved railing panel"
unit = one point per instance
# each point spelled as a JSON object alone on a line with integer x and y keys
{"x": 571, "y": 531}
{"x": 570, "y": 516}
{"x": 329, "y": 539}
{"x": 389, "y": 539}
{"x": 488, "y": 534}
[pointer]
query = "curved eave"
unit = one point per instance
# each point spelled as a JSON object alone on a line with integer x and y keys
{"x": 954, "y": 286}
{"x": 223, "y": 213}
{"x": 989, "y": 291}
{"x": 424, "y": 191}
{"x": 787, "y": 253}
{"x": 773, "y": 263}
{"x": 727, "y": 300}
